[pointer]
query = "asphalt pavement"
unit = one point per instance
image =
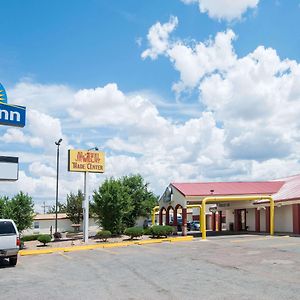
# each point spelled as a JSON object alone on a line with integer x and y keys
{"x": 223, "y": 267}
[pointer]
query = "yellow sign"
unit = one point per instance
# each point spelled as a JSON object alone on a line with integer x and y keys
{"x": 86, "y": 161}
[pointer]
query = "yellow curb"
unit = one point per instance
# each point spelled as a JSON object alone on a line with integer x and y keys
{"x": 181, "y": 239}
{"x": 35, "y": 252}
{"x": 109, "y": 245}
{"x": 150, "y": 242}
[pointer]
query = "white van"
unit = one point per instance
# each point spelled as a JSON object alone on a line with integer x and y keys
{"x": 9, "y": 241}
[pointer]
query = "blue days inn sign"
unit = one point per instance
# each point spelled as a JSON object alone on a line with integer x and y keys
{"x": 11, "y": 115}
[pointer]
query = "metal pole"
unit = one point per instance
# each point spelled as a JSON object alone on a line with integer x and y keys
{"x": 85, "y": 211}
{"x": 57, "y": 171}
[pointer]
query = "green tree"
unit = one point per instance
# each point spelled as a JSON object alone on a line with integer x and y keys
{"x": 142, "y": 199}
{"x": 21, "y": 209}
{"x": 61, "y": 208}
{"x": 119, "y": 202}
{"x": 74, "y": 207}
{"x": 3, "y": 201}
{"x": 111, "y": 204}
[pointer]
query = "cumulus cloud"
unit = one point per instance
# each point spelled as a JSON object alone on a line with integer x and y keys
{"x": 108, "y": 106}
{"x": 255, "y": 99}
{"x": 158, "y": 37}
{"x": 41, "y": 97}
{"x": 224, "y": 9}
{"x": 195, "y": 61}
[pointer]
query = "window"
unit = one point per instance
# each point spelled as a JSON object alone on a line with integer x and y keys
{"x": 36, "y": 225}
{"x": 6, "y": 227}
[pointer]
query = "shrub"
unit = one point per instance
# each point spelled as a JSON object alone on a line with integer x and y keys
{"x": 57, "y": 235}
{"x": 148, "y": 231}
{"x": 103, "y": 235}
{"x": 44, "y": 239}
{"x": 28, "y": 238}
{"x": 134, "y": 232}
{"x": 159, "y": 230}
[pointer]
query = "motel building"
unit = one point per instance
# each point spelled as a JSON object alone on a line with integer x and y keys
{"x": 181, "y": 202}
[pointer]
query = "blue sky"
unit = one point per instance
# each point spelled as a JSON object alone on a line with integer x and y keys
{"x": 84, "y": 73}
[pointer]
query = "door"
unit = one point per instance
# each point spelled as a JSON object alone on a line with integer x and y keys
{"x": 240, "y": 220}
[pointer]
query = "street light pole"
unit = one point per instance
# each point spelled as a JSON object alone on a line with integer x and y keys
{"x": 57, "y": 172}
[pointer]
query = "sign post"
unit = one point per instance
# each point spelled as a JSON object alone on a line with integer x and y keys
{"x": 86, "y": 161}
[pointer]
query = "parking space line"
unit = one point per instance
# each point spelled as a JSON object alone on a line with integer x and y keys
{"x": 265, "y": 238}
{"x": 108, "y": 251}
{"x": 64, "y": 255}
{"x": 151, "y": 248}
{"x": 286, "y": 244}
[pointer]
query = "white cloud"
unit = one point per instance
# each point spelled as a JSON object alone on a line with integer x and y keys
{"x": 255, "y": 99}
{"x": 224, "y": 9}
{"x": 108, "y": 106}
{"x": 195, "y": 62}
{"x": 41, "y": 97}
{"x": 39, "y": 169}
{"x": 158, "y": 37}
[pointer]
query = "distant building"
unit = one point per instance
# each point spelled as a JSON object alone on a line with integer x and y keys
{"x": 44, "y": 223}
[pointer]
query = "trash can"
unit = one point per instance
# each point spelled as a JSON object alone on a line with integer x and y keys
{"x": 231, "y": 226}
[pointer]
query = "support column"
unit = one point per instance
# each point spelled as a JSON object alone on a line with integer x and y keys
{"x": 267, "y": 219}
{"x": 213, "y": 221}
{"x": 296, "y": 218}
{"x": 168, "y": 216}
{"x": 220, "y": 221}
{"x": 160, "y": 217}
{"x": 236, "y": 220}
{"x": 257, "y": 220}
{"x": 175, "y": 223}
{"x": 184, "y": 221}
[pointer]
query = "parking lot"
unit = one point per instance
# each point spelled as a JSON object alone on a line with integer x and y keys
{"x": 225, "y": 267}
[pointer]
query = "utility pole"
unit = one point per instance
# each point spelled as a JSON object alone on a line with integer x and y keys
{"x": 44, "y": 206}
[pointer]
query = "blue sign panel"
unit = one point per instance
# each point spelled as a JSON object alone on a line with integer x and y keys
{"x": 3, "y": 97}
{"x": 12, "y": 115}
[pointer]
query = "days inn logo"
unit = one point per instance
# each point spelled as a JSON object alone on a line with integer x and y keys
{"x": 3, "y": 97}
{"x": 11, "y": 115}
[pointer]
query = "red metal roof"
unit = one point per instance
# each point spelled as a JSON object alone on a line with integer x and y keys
{"x": 290, "y": 190}
{"x": 229, "y": 188}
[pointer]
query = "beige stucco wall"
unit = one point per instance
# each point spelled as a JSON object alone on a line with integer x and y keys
{"x": 229, "y": 217}
{"x": 284, "y": 218}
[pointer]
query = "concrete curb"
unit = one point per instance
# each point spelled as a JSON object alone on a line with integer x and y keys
{"x": 111, "y": 245}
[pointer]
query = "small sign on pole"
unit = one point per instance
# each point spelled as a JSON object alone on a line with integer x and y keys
{"x": 9, "y": 168}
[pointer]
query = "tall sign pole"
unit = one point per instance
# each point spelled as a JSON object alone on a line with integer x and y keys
{"x": 86, "y": 210}
{"x": 86, "y": 161}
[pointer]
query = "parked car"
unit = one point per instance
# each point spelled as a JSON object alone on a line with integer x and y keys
{"x": 195, "y": 225}
{"x": 9, "y": 241}
{"x": 179, "y": 225}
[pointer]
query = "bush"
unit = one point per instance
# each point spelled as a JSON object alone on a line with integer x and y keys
{"x": 28, "y": 238}
{"x": 57, "y": 235}
{"x": 134, "y": 232}
{"x": 44, "y": 239}
{"x": 148, "y": 231}
{"x": 103, "y": 235}
{"x": 159, "y": 230}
